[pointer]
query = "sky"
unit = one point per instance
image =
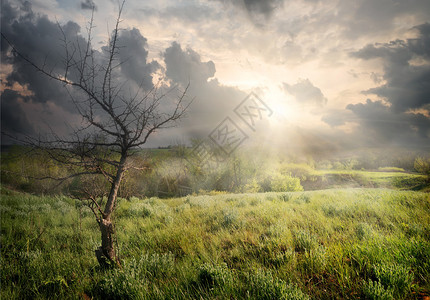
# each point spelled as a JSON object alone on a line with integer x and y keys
{"x": 315, "y": 76}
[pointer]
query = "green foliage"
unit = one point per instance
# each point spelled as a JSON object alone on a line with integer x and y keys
{"x": 262, "y": 284}
{"x": 305, "y": 241}
{"x": 394, "y": 277}
{"x": 422, "y": 165}
{"x": 410, "y": 183}
{"x": 374, "y": 290}
{"x": 285, "y": 183}
{"x": 216, "y": 276}
{"x": 285, "y": 197}
{"x": 252, "y": 187}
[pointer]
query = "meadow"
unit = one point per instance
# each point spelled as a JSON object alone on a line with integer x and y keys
{"x": 344, "y": 243}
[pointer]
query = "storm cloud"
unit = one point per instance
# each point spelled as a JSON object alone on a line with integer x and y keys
{"x": 379, "y": 123}
{"x": 407, "y": 84}
{"x": 213, "y": 101}
{"x": 43, "y": 42}
{"x": 134, "y": 56}
{"x": 38, "y": 39}
{"x": 259, "y": 12}
{"x": 401, "y": 116}
{"x": 88, "y": 4}
{"x": 13, "y": 118}
{"x": 185, "y": 66}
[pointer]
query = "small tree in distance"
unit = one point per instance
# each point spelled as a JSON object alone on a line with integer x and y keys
{"x": 114, "y": 125}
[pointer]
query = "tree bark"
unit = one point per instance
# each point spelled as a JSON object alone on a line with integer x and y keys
{"x": 106, "y": 254}
{"x": 110, "y": 204}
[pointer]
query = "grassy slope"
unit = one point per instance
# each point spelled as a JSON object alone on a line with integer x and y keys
{"x": 344, "y": 243}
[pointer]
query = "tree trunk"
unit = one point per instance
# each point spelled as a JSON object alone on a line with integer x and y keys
{"x": 105, "y": 254}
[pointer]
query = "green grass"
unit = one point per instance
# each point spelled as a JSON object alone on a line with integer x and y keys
{"x": 340, "y": 243}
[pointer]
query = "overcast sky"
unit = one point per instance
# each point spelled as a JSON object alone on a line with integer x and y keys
{"x": 330, "y": 74}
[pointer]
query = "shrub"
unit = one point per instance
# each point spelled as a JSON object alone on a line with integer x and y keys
{"x": 215, "y": 276}
{"x": 374, "y": 290}
{"x": 118, "y": 284}
{"x": 252, "y": 187}
{"x": 391, "y": 169}
{"x": 302, "y": 171}
{"x": 304, "y": 240}
{"x": 263, "y": 285}
{"x": 303, "y": 198}
{"x": 285, "y": 183}
{"x": 285, "y": 197}
{"x": 140, "y": 209}
{"x": 395, "y": 277}
{"x": 230, "y": 218}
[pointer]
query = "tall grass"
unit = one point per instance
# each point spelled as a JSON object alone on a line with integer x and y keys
{"x": 346, "y": 243}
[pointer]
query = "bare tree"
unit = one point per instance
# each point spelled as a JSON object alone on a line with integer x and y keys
{"x": 114, "y": 125}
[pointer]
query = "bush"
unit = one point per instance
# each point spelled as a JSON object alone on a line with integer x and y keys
{"x": 395, "y": 277}
{"x": 118, "y": 284}
{"x": 286, "y": 183}
{"x": 263, "y": 285}
{"x": 304, "y": 241}
{"x": 285, "y": 197}
{"x": 252, "y": 187}
{"x": 374, "y": 290}
{"x": 215, "y": 276}
{"x": 140, "y": 209}
{"x": 230, "y": 218}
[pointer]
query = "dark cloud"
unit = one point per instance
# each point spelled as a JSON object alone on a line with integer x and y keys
{"x": 264, "y": 7}
{"x": 365, "y": 17}
{"x": 213, "y": 101}
{"x": 133, "y": 56}
{"x": 379, "y": 123}
{"x": 407, "y": 84}
{"x": 306, "y": 93}
{"x": 13, "y": 118}
{"x": 259, "y": 11}
{"x": 401, "y": 118}
{"x": 40, "y": 40}
{"x": 379, "y": 126}
{"x": 186, "y": 66}
{"x": 88, "y": 4}
{"x": 421, "y": 45}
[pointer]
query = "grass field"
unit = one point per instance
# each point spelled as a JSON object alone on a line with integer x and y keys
{"x": 338, "y": 243}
